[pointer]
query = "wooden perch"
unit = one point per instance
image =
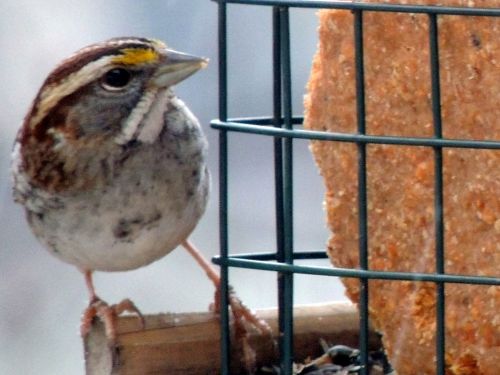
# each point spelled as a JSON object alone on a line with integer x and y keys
{"x": 188, "y": 343}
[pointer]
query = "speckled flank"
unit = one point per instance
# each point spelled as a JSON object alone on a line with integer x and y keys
{"x": 128, "y": 229}
{"x": 129, "y": 219}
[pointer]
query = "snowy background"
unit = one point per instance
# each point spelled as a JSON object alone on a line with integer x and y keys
{"x": 41, "y": 299}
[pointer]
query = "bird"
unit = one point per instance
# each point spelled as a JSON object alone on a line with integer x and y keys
{"x": 111, "y": 166}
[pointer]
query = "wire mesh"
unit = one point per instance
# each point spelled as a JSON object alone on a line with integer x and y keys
{"x": 281, "y": 126}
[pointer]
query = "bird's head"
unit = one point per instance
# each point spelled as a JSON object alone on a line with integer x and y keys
{"x": 106, "y": 92}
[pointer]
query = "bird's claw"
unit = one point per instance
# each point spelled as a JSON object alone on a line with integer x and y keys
{"x": 108, "y": 314}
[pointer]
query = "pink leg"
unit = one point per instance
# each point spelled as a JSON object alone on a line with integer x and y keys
{"x": 240, "y": 311}
{"x": 89, "y": 284}
{"x": 212, "y": 274}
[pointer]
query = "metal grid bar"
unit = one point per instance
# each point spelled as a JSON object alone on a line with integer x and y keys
{"x": 399, "y": 8}
{"x": 285, "y": 287}
{"x": 280, "y": 126}
{"x": 283, "y": 159}
{"x": 362, "y": 190}
{"x": 223, "y": 194}
{"x": 258, "y": 125}
{"x": 264, "y": 264}
{"x": 438, "y": 193}
{"x": 284, "y": 330}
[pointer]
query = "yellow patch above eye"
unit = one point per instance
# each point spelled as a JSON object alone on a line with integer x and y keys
{"x": 134, "y": 56}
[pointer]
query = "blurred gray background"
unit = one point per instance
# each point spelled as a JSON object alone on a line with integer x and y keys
{"x": 41, "y": 299}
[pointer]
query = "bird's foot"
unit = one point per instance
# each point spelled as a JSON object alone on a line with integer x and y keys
{"x": 243, "y": 313}
{"x": 244, "y": 316}
{"x": 108, "y": 314}
{"x": 244, "y": 320}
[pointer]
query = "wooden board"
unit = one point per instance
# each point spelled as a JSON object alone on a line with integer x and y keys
{"x": 189, "y": 343}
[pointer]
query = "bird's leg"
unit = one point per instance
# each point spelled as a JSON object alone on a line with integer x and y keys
{"x": 106, "y": 313}
{"x": 212, "y": 274}
{"x": 241, "y": 313}
{"x": 89, "y": 283}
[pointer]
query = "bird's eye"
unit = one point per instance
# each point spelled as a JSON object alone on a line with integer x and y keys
{"x": 115, "y": 79}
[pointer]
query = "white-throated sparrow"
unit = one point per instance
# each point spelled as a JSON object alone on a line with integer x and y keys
{"x": 109, "y": 164}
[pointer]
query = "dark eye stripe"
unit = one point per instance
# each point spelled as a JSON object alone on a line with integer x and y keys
{"x": 83, "y": 57}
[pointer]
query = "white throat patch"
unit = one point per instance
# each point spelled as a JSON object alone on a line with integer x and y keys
{"x": 147, "y": 119}
{"x": 152, "y": 125}
{"x": 131, "y": 124}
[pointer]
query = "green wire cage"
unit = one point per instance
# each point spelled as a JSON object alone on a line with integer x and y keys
{"x": 284, "y": 129}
